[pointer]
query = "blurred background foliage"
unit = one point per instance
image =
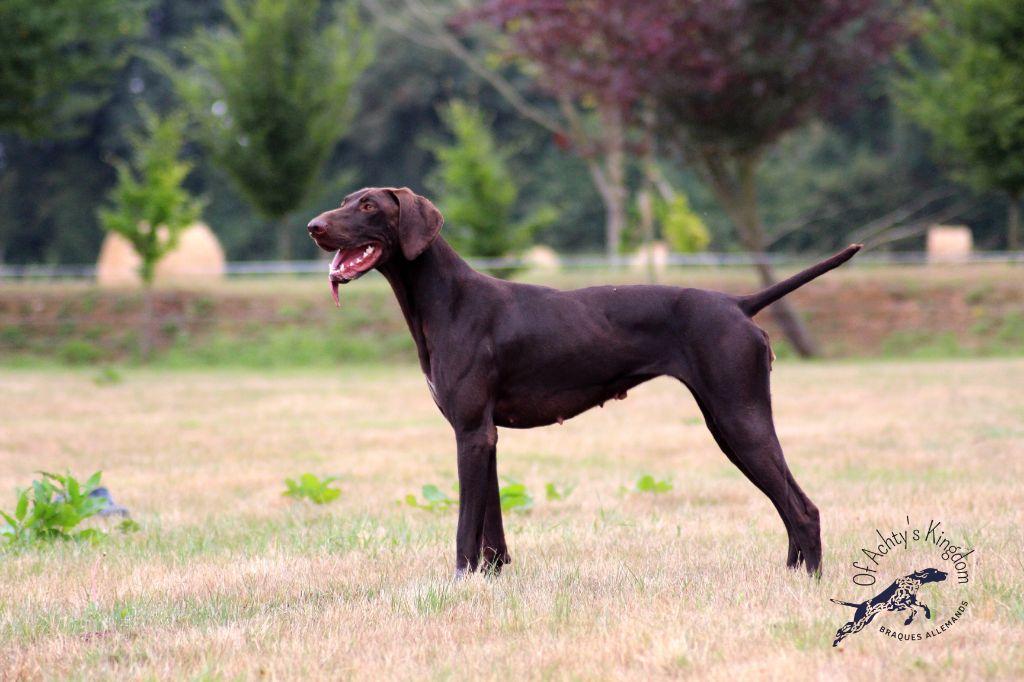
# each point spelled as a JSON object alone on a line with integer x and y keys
{"x": 477, "y": 189}
{"x": 73, "y": 76}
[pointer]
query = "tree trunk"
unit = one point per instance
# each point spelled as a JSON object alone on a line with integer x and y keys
{"x": 737, "y": 192}
{"x": 608, "y": 171}
{"x": 645, "y": 206}
{"x": 148, "y": 322}
{"x": 284, "y": 242}
{"x": 1013, "y": 224}
{"x": 652, "y": 181}
{"x": 614, "y": 209}
{"x": 605, "y": 157}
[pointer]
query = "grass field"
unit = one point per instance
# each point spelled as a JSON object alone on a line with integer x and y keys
{"x": 227, "y": 579}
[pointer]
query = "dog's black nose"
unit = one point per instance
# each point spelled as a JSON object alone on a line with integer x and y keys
{"x": 317, "y": 227}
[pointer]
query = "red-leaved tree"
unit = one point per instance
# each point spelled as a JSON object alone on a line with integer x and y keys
{"x": 741, "y": 73}
{"x": 585, "y": 55}
{"x": 725, "y": 79}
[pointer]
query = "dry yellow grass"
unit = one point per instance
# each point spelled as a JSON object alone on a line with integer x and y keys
{"x": 229, "y": 580}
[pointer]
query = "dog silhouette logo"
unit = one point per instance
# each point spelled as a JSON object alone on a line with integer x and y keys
{"x": 900, "y": 596}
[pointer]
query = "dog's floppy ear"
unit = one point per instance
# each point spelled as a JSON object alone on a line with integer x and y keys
{"x": 419, "y": 222}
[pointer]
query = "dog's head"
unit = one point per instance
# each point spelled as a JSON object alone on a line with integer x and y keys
{"x": 928, "y": 575}
{"x": 373, "y": 226}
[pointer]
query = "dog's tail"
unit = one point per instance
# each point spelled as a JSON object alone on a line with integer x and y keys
{"x": 844, "y": 603}
{"x": 753, "y": 303}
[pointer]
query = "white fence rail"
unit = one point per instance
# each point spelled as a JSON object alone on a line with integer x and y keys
{"x": 682, "y": 260}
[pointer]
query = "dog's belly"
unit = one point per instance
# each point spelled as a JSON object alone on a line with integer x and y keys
{"x": 521, "y": 410}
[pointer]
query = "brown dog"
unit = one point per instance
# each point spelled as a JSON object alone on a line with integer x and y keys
{"x": 498, "y": 353}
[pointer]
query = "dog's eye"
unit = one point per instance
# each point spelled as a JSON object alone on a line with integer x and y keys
{"x": 367, "y": 206}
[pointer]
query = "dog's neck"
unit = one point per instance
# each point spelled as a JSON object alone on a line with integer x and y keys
{"x": 428, "y": 290}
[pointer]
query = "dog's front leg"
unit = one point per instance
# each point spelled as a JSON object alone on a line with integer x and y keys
{"x": 476, "y": 450}
{"x": 495, "y": 551}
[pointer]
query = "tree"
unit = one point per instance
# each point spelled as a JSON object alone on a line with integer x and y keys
{"x": 968, "y": 92}
{"x": 728, "y": 79}
{"x": 725, "y": 80}
{"x": 477, "y": 190}
{"x": 271, "y": 97}
{"x": 55, "y": 58}
{"x": 150, "y": 207}
{"x": 584, "y": 54}
{"x": 592, "y": 122}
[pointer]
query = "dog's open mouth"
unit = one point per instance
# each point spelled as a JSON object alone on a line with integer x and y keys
{"x": 348, "y": 264}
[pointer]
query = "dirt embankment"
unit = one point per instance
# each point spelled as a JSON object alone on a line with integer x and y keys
{"x": 898, "y": 312}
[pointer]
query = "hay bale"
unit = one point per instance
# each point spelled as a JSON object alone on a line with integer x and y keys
{"x": 118, "y": 264}
{"x": 198, "y": 257}
{"x": 949, "y": 243}
{"x": 542, "y": 258}
{"x": 655, "y": 254}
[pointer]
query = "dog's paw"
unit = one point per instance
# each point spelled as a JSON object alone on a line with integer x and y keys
{"x": 494, "y": 560}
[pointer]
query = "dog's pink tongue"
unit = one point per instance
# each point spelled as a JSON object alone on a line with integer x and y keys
{"x": 335, "y": 264}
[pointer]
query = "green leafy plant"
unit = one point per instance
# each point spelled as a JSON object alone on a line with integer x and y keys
{"x": 648, "y": 484}
{"x": 682, "y": 226}
{"x": 553, "y": 494}
{"x": 478, "y": 191}
{"x": 271, "y": 101}
{"x": 312, "y": 488}
{"x": 434, "y": 499}
{"x": 962, "y": 83}
{"x": 108, "y": 376}
{"x": 51, "y": 509}
{"x": 59, "y": 60}
{"x": 149, "y": 205}
{"x": 515, "y": 496}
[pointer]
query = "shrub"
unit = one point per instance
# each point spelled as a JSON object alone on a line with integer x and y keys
{"x": 434, "y": 499}
{"x": 514, "y": 495}
{"x": 52, "y": 508}
{"x": 648, "y": 484}
{"x": 478, "y": 191}
{"x": 312, "y": 488}
{"x": 682, "y": 227}
{"x": 553, "y": 494}
{"x": 79, "y": 352}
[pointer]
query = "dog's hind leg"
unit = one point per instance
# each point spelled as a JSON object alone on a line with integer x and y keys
{"x": 733, "y": 391}
{"x": 793, "y": 553}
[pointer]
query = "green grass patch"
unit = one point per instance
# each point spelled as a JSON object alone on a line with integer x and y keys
{"x": 79, "y": 352}
{"x": 875, "y": 474}
{"x": 923, "y": 345}
{"x": 286, "y": 347}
